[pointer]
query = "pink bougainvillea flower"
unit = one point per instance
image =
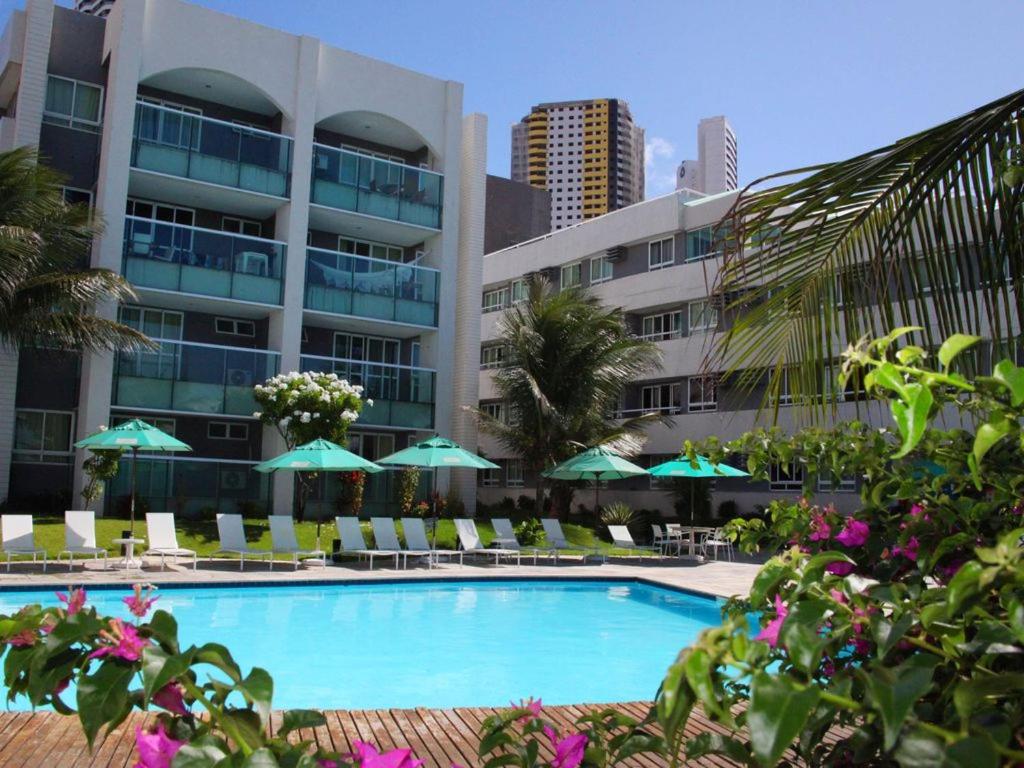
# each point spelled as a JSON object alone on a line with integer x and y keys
{"x": 531, "y": 705}
{"x": 323, "y": 762}
{"x": 22, "y": 639}
{"x": 73, "y": 600}
{"x": 839, "y": 568}
{"x": 820, "y": 529}
{"x": 828, "y": 667}
{"x": 921, "y": 513}
{"x": 139, "y": 603}
{"x": 171, "y": 697}
{"x": 770, "y": 634}
{"x": 838, "y": 596}
{"x": 909, "y": 550}
{"x": 368, "y": 757}
{"x": 156, "y": 749}
{"x": 122, "y": 642}
{"x": 568, "y": 751}
{"x": 854, "y": 533}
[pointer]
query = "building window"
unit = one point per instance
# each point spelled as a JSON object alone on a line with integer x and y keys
{"x": 495, "y": 300}
{"x": 667, "y": 325}
{"x": 492, "y": 357}
{"x": 786, "y": 477}
{"x": 785, "y": 393}
{"x": 703, "y": 316}
{"x": 247, "y": 227}
{"x": 663, "y": 398}
{"x": 232, "y": 327}
{"x": 370, "y": 349}
{"x": 661, "y": 253}
{"x": 76, "y": 196}
{"x": 702, "y": 394}
{"x": 42, "y": 437}
{"x": 369, "y": 249}
{"x": 495, "y": 410}
{"x": 490, "y": 478}
{"x": 518, "y": 291}
{"x": 227, "y": 430}
{"x": 571, "y": 276}
{"x": 155, "y": 323}
{"x": 600, "y": 269}
{"x": 699, "y": 244}
{"x": 845, "y": 485}
{"x": 514, "y": 475}
{"x": 73, "y": 104}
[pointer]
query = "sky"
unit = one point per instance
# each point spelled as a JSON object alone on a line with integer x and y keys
{"x": 801, "y": 81}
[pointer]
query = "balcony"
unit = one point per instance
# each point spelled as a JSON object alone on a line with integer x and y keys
{"x": 382, "y": 189}
{"x": 402, "y": 396}
{"x": 192, "y": 378}
{"x": 358, "y": 286}
{"x": 173, "y": 257}
{"x": 176, "y": 143}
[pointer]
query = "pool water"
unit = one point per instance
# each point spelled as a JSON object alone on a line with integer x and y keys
{"x": 436, "y": 644}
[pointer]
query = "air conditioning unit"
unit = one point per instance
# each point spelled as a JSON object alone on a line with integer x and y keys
{"x": 616, "y": 254}
{"x": 239, "y": 377}
{"x": 233, "y": 479}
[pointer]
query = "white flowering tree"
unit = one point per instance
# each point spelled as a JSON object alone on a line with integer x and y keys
{"x": 308, "y": 406}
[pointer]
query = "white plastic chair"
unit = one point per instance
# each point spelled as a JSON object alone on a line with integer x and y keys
{"x": 469, "y": 538}
{"x": 18, "y": 538}
{"x": 503, "y": 530}
{"x": 385, "y": 537}
{"x": 231, "y": 533}
{"x": 416, "y": 538}
{"x": 623, "y": 539}
{"x": 284, "y": 542}
{"x": 353, "y": 543}
{"x": 714, "y": 541}
{"x": 163, "y": 539}
{"x": 80, "y": 537}
{"x": 556, "y": 538}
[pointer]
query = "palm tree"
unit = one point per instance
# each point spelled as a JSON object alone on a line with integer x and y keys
{"x": 928, "y": 231}
{"x": 48, "y": 295}
{"x": 568, "y": 359}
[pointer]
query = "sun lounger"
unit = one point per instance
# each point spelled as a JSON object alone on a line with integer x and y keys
{"x": 18, "y": 539}
{"x": 386, "y": 537}
{"x": 353, "y": 543}
{"x": 469, "y": 538}
{"x": 416, "y": 538}
{"x": 231, "y": 533}
{"x": 80, "y": 537}
{"x": 163, "y": 539}
{"x": 504, "y": 531}
{"x": 284, "y": 542}
{"x": 622, "y": 539}
{"x": 556, "y": 538}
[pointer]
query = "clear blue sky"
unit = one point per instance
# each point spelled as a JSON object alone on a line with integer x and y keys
{"x": 802, "y": 81}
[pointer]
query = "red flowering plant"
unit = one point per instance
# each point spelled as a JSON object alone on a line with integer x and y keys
{"x": 898, "y": 628}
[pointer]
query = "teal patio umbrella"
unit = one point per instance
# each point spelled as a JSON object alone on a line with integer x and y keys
{"x": 135, "y": 435}
{"x": 435, "y": 453}
{"x": 318, "y": 456}
{"x": 595, "y": 464}
{"x": 700, "y": 467}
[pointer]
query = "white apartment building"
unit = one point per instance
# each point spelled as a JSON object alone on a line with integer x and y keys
{"x": 278, "y": 204}
{"x": 716, "y": 168}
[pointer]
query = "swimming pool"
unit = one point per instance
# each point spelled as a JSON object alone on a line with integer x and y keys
{"x": 436, "y": 644}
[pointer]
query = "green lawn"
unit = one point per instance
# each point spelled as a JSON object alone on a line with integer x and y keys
{"x": 201, "y": 535}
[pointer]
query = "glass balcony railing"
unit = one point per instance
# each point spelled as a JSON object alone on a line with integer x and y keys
{"x": 402, "y": 396}
{"x": 173, "y": 257}
{"x": 373, "y": 288}
{"x": 190, "y": 377}
{"x": 180, "y": 143}
{"x": 354, "y": 182}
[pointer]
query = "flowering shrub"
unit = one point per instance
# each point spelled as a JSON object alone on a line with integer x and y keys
{"x": 408, "y": 483}
{"x": 350, "y": 500}
{"x": 305, "y": 406}
{"x": 901, "y": 626}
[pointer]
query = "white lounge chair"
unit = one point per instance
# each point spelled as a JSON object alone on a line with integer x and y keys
{"x": 385, "y": 537}
{"x": 353, "y": 543}
{"x": 163, "y": 539}
{"x": 503, "y": 530}
{"x": 80, "y": 537}
{"x": 556, "y": 538}
{"x": 622, "y": 539}
{"x": 714, "y": 541}
{"x": 469, "y": 538}
{"x": 18, "y": 538}
{"x": 231, "y": 533}
{"x": 416, "y": 538}
{"x": 284, "y": 542}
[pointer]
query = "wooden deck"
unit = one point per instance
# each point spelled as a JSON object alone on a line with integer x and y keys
{"x": 440, "y": 737}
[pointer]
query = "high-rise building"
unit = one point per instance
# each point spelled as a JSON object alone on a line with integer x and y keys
{"x": 278, "y": 205}
{"x": 716, "y": 168}
{"x": 588, "y": 154}
{"x": 95, "y": 7}
{"x": 516, "y": 212}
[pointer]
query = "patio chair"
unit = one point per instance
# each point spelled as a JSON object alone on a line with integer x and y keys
{"x": 385, "y": 537}
{"x": 231, "y": 533}
{"x": 353, "y": 543}
{"x": 623, "y": 539}
{"x": 163, "y": 539}
{"x": 18, "y": 538}
{"x": 714, "y": 541}
{"x": 284, "y": 542}
{"x": 667, "y": 538}
{"x": 556, "y": 538}
{"x": 469, "y": 538}
{"x": 503, "y": 530}
{"x": 80, "y": 537}
{"x": 416, "y": 538}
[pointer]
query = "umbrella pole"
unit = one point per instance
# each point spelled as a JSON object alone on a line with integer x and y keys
{"x": 597, "y": 495}
{"x": 433, "y": 504}
{"x": 131, "y": 505}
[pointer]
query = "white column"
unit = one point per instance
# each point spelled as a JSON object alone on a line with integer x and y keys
{"x": 124, "y": 34}
{"x": 27, "y": 121}
{"x": 292, "y": 223}
{"x": 466, "y": 363}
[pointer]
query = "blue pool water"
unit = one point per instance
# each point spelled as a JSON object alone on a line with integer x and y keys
{"x": 437, "y": 644}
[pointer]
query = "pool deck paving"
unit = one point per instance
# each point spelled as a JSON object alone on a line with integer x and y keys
{"x": 440, "y": 737}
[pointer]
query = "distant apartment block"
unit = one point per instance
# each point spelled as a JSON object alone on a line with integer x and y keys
{"x": 716, "y": 168}
{"x": 278, "y": 205}
{"x": 515, "y": 212}
{"x": 588, "y": 154}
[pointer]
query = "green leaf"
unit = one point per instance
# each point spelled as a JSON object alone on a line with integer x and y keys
{"x": 954, "y": 345}
{"x": 970, "y": 693}
{"x": 717, "y": 744}
{"x": 964, "y": 586}
{"x": 778, "y": 711}
{"x": 165, "y": 630}
{"x": 1011, "y": 377}
{"x": 988, "y": 434}
{"x": 911, "y": 415}
{"x": 674, "y": 704}
{"x": 158, "y": 669}
{"x": 258, "y": 688}
{"x": 202, "y": 754}
{"x": 103, "y": 697}
{"x": 220, "y": 657}
{"x": 294, "y": 719}
{"x": 801, "y": 634}
{"x": 887, "y": 634}
{"x": 261, "y": 758}
{"x": 919, "y": 749}
{"x": 893, "y": 692}
{"x": 971, "y": 752}
{"x": 699, "y": 669}
{"x": 772, "y": 573}
{"x": 246, "y": 724}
